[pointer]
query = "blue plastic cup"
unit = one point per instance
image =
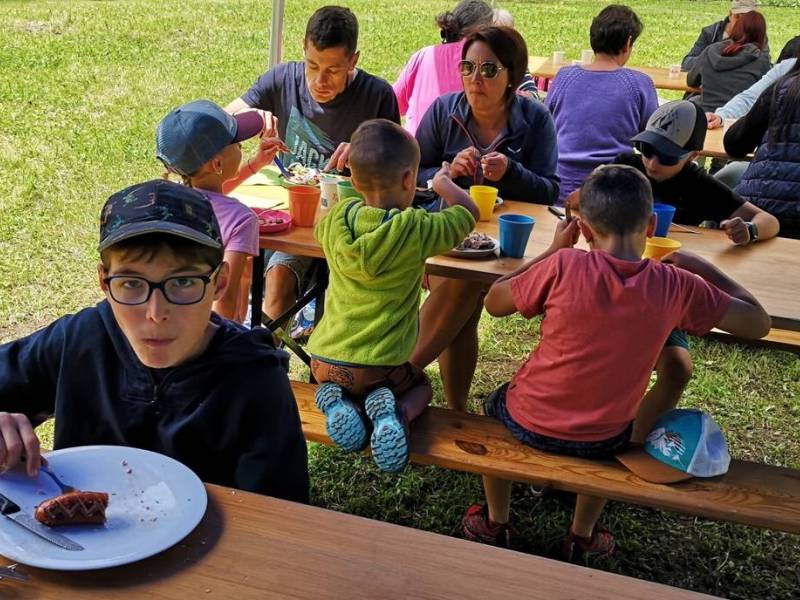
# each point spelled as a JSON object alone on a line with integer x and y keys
{"x": 514, "y": 233}
{"x": 664, "y": 214}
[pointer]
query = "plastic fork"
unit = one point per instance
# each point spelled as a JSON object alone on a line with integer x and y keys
{"x": 281, "y": 168}
{"x": 65, "y": 489}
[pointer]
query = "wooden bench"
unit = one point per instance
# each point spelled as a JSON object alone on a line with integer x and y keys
{"x": 776, "y": 339}
{"x": 750, "y": 493}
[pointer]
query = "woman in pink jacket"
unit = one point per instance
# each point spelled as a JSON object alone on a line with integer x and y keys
{"x": 433, "y": 70}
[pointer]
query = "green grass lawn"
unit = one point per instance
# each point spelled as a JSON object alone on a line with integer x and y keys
{"x": 82, "y": 86}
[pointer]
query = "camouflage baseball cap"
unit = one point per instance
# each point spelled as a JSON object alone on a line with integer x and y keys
{"x": 158, "y": 206}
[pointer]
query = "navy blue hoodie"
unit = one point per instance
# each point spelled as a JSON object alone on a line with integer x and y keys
{"x": 229, "y": 415}
{"x": 529, "y": 142}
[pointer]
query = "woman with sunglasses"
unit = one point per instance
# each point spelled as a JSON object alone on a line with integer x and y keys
{"x": 599, "y": 107}
{"x": 432, "y": 71}
{"x": 489, "y": 135}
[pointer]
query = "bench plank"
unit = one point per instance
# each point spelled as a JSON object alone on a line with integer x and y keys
{"x": 750, "y": 493}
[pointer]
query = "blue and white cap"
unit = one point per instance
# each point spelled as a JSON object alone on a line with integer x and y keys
{"x": 684, "y": 443}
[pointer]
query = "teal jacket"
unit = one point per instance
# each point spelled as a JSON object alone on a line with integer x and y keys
{"x": 376, "y": 259}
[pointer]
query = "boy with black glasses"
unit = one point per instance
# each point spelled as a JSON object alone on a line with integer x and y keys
{"x": 152, "y": 366}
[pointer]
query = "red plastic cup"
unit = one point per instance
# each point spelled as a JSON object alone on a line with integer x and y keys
{"x": 303, "y": 203}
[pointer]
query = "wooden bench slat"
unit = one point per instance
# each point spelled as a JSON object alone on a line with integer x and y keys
{"x": 750, "y": 493}
{"x": 776, "y": 339}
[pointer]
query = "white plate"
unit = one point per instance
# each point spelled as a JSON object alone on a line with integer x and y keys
{"x": 149, "y": 510}
{"x": 482, "y": 253}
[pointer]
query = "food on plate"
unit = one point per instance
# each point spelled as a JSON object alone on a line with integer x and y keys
{"x": 271, "y": 221}
{"x": 73, "y": 508}
{"x": 476, "y": 241}
{"x": 303, "y": 175}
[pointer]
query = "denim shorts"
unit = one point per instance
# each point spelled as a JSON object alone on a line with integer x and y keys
{"x": 495, "y": 406}
{"x": 300, "y": 266}
{"x": 678, "y": 338}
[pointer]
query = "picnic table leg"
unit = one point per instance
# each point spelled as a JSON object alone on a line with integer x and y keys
{"x": 257, "y": 289}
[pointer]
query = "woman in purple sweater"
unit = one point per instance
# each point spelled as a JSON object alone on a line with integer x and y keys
{"x": 598, "y": 108}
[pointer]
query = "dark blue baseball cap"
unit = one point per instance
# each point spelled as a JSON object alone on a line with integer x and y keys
{"x": 192, "y": 134}
{"x": 158, "y": 206}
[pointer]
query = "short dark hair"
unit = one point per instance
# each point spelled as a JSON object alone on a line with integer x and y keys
{"x": 149, "y": 246}
{"x": 467, "y": 16}
{"x": 333, "y": 27}
{"x": 509, "y": 47}
{"x": 616, "y": 199}
{"x": 612, "y": 27}
{"x": 380, "y": 151}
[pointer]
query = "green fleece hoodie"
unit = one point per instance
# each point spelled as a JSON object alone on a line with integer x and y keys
{"x": 376, "y": 260}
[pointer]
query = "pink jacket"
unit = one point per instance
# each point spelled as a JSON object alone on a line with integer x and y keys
{"x": 429, "y": 73}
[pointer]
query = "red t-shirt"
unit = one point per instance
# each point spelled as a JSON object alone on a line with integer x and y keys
{"x": 605, "y": 323}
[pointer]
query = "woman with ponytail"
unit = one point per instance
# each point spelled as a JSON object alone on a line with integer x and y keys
{"x": 731, "y": 66}
{"x": 433, "y": 70}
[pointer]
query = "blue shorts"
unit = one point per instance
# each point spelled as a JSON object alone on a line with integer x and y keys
{"x": 300, "y": 266}
{"x": 677, "y": 338}
{"x": 495, "y": 406}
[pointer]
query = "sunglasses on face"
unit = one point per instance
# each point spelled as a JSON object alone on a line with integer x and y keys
{"x": 649, "y": 151}
{"x": 488, "y": 70}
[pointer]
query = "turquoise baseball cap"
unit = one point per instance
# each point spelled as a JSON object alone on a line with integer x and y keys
{"x": 684, "y": 443}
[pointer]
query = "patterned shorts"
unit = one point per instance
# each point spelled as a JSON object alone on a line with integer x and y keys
{"x": 360, "y": 381}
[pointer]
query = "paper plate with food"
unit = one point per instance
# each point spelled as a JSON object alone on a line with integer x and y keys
{"x": 128, "y": 504}
{"x": 475, "y": 245}
{"x": 297, "y": 174}
{"x": 272, "y": 221}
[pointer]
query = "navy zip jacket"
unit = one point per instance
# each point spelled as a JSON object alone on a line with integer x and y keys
{"x": 229, "y": 415}
{"x": 529, "y": 142}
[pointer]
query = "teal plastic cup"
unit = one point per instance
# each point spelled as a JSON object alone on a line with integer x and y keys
{"x": 346, "y": 190}
{"x": 514, "y": 233}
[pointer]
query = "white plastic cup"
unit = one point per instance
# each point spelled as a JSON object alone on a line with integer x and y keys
{"x": 587, "y": 57}
{"x": 328, "y": 192}
{"x": 559, "y": 56}
{"x": 674, "y": 71}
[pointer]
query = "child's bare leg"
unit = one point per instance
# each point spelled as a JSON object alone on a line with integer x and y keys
{"x": 673, "y": 372}
{"x": 587, "y": 512}
{"x": 498, "y": 498}
{"x": 415, "y": 400}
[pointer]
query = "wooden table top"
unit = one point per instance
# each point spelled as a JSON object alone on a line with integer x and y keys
{"x": 769, "y": 269}
{"x": 541, "y": 66}
{"x": 251, "y": 546}
{"x": 714, "y": 146}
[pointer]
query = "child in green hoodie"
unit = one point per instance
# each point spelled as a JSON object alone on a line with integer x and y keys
{"x": 376, "y": 250}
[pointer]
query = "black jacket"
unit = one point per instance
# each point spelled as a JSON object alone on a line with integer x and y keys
{"x": 228, "y": 415}
{"x": 772, "y": 179}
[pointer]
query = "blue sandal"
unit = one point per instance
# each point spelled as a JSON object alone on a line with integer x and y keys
{"x": 389, "y": 436}
{"x": 342, "y": 420}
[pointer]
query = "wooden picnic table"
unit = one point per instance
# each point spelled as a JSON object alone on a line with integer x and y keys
{"x": 714, "y": 146}
{"x": 252, "y": 546}
{"x": 769, "y": 269}
{"x": 541, "y": 66}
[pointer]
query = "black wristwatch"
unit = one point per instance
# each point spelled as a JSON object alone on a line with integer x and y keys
{"x": 752, "y": 230}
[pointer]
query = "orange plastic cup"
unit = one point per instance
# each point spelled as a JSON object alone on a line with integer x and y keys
{"x": 303, "y": 203}
{"x": 658, "y": 247}
{"x": 485, "y": 197}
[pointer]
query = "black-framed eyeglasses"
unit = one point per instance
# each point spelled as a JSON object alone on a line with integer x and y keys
{"x": 649, "y": 151}
{"x": 488, "y": 69}
{"x": 181, "y": 289}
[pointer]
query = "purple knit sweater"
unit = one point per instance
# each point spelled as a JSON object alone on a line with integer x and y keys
{"x": 596, "y": 114}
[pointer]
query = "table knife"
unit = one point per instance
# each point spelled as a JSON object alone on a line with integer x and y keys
{"x": 12, "y": 511}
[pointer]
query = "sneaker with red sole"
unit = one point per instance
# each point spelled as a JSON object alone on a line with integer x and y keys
{"x": 601, "y": 544}
{"x": 477, "y": 527}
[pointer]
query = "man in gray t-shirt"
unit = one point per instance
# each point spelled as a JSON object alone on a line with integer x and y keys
{"x": 315, "y": 106}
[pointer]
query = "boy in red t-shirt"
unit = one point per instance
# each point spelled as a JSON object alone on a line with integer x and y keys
{"x": 607, "y": 316}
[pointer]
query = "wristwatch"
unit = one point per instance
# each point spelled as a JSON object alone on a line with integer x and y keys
{"x": 752, "y": 230}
